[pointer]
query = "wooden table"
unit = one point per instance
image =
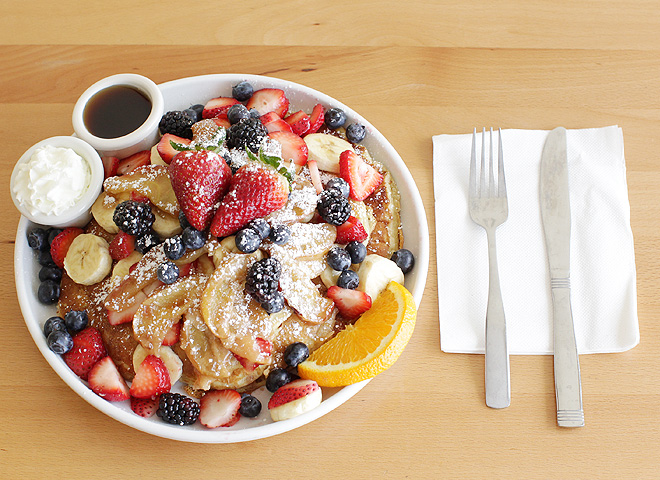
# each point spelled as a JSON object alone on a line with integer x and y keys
{"x": 414, "y": 69}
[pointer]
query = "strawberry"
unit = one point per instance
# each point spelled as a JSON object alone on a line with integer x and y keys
{"x": 315, "y": 175}
{"x": 165, "y": 148}
{"x": 294, "y": 398}
{"x": 316, "y": 118}
{"x": 299, "y": 122}
{"x": 122, "y": 245}
{"x": 172, "y": 335}
{"x": 219, "y": 408}
{"x": 222, "y": 122}
{"x": 138, "y": 197}
{"x": 274, "y": 123}
{"x": 144, "y": 407}
{"x": 351, "y": 303}
{"x": 136, "y": 160}
{"x": 186, "y": 269}
{"x": 269, "y": 100}
{"x": 361, "y": 177}
{"x": 110, "y": 165}
{"x": 151, "y": 378}
{"x": 106, "y": 381}
{"x": 265, "y": 347}
{"x": 199, "y": 179}
{"x": 294, "y": 148}
{"x": 217, "y": 107}
{"x": 61, "y": 243}
{"x": 256, "y": 190}
{"x": 126, "y": 316}
{"x": 87, "y": 349}
{"x": 351, "y": 230}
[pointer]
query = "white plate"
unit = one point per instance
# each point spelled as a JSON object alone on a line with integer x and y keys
{"x": 180, "y": 94}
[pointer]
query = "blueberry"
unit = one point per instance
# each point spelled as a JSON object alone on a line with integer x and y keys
{"x": 335, "y": 118}
{"x": 274, "y": 303}
{"x": 250, "y": 406}
{"x": 277, "y": 378}
{"x": 38, "y": 239}
{"x": 167, "y": 272}
{"x": 193, "y": 238}
{"x": 49, "y": 272}
{"x": 295, "y": 354}
{"x": 59, "y": 341}
{"x": 198, "y": 108}
{"x": 261, "y": 226}
{"x": 237, "y": 112}
{"x": 242, "y": 91}
{"x": 48, "y": 292}
{"x": 247, "y": 240}
{"x": 340, "y": 184}
{"x": 338, "y": 259}
{"x": 76, "y": 320}
{"x": 52, "y": 324}
{"x": 348, "y": 279}
{"x": 280, "y": 234}
{"x": 52, "y": 233}
{"x": 45, "y": 260}
{"x": 356, "y": 132}
{"x": 174, "y": 247}
{"x": 254, "y": 113}
{"x": 404, "y": 259}
{"x": 146, "y": 242}
{"x": 183, "y": 221}
{"x": 357, "y": 251}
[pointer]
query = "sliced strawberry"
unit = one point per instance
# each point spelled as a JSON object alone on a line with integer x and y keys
{"x": 222, "y": 122}
{"x": 294, "y": 398}
{"x": 106, "y": 381}
{"x": 165, "y": 148}
{"x": 351, "y": 303}
{"x": 126, "y": 316}
{"x": 269, "y": 100}
{"x": 87, "y": 349}
{"x": 274, "y": 123}
{"x": 316, "y": 118}
{"x": 136, "y": 160}
{"x": 294, "y": 148}
{"x": 144, "y": 407}
{"x": 316, "y": 175}
{"x": 172, "y": 335}
{"x": 299, "y": 122}
{"x": 219, "y": 408}
{"x": 185, "y": 270}
{"x": 265, "y": 346}
{"x": 110, "y": 166}
{"x": 351, "y": 230}
{"x": 245, "y": 363}
{"x": 151, "y": 378}
{"x": 122, "y": 245}
{"x": 138, "y": 197}
{"x": 361, "y": 177}
{"x": 199, "y": 179}
{"x": 217, "y": 107}
{"x": 61, "y": 243}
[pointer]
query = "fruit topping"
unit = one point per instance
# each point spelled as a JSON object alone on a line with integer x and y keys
{"x": 174, "y": 247}
{"x": 351, "y": 303}
{"x": 361, "y": 177}
{"x": 269, "y": 100}
{"x": 88, "y": 259}
{"x": 129, "y": 164}
{"x": 166, "y": 150}
{"x": 122, "y": 246}
{"x": 294, "y": 399}
{"x": 59, "y": 341}
{"x": 351, "y": 230}
{"x": 316, "y": 118}
{"x": 299, "y": 122}
{"x": 219, "y": 408}
{"x": 274, "y": 123}
{"x": 339, "y": 259}
{"x": 250, "y": 406}
{"x": 177, "y": 123}
{"x": 242, "y": 91}
{"x": 375, "y": 274}
{"x": 106, "y": 381}
{"x": 295, "y": 354}
{"x": 404, "y": 259}
{"x": 335, "y": 118}
{"x": 87, "y": 349}
{"x": 144, "y": 407}
{"x": 110, "y": 166}
{"x": 61, "y": 243}
{"x": 279, "y": 234}
{"x": 48, "y": 292}
{"x": 218, "y": 107}
{"x": 333, "y": 207}
{"x": 278, "y": 377}
{"x": 348, "y": 279}
{"x": 356, "y": 132}
{"x": 294, "y": 148}
{"x": 76, "y": 320}
{"x": 325, "y": 149}
{"x": 167, "y": 272}
{"x": 134, "y": 218}
{"x": 262, "y": 279}
{"x": 177, "y": 409}
{"x": 340, "y": 184}
{"x": 248, "y": 133}
{"x": 151, "y": 378}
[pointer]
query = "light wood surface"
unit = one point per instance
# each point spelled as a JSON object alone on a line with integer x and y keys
{"x": 414, "y": 69}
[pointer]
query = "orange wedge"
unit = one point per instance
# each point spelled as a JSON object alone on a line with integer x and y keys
{"x": 368, "y": 347}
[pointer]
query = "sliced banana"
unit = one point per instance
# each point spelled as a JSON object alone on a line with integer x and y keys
{"x": 156, "y": 159}
{"x": 123, "y": 266}
{"x": 104, "y": 208}
{"x": 165, "y": 224}
{"x": 329, "y": 276}
{"x": 325, "y": 149}
{"x": 375, "y": 273}
{"x": 88, "y": 260}
{"x": 166, "y": 354}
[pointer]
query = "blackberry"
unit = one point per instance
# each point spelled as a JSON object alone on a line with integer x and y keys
{"x": 356, "y": 132}
{"x": 177, "y": 123}
{"x": 242, "y": 91}
{"x": 333, "y": 207}
{"x": 335, "y": 118}
{"x": 246, "y": 133}
{"x": 134, "y": 218}
{"x": 146, "y": 242}
{"x": 263, "y": 278}
{"x": 177, "y": 409}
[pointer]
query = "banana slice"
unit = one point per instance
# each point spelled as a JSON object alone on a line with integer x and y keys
{"x": 166, "y": 354}
{"x": 104, "y": 208}
{"x": 123, "y": 266}
{"x": 88, "y": 260}
{"x": 165, "y": 224}
{"x": 156, "y": 159}
{"x": 376, "y": 272}
{"x": 325, "y": 149}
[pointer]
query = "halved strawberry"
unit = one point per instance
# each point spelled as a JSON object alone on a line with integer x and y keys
{"x": 110, "y": 165}
{"x": 274, "y": 123}
{"x": 138, "y": 197}
{"x": 144, "y": 407}
{"x": 172, "y": 335}
{"x": 165, "y": 148}
{"x": 294, "y": 398}
{"x": 136, "y": 160}
{"x": 106, "y": 381}
{"x": 126, "y": 316}
{"x": 222, "y": 122}
{"x": 361, "y": 177}
{"x": 217, "y": 107}
{"x": 299, "y": 122}
{"x": 294, "y": 148}
{"x": 87, "y": 349}
{"x": 351, "y": 230}
{"x": 151, "y": 378}
{"x": 351, "y": 303}
{"x": 61, "y": 243}
{"x": 122, "y": 245}
{"x": 316, "y": 118}
{"x": 269, "y": 100}
{"x": 219, "y": 408}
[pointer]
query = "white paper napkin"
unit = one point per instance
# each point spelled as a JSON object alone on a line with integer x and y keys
{"x": 603, "y": 282}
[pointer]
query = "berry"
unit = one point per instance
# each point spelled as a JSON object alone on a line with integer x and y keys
{"x": 110, "y": 166}
{"x": 356, "y": 132}
{"x": 174, "y": 247}
{"x": 333, "y": 207}
{"x": 246, "y": 133}
{"x": 247, "y": 240}
{"x": 357, "y": 251}
{"x": 61, "y": 243}
{"x": 193, "y": 238}
{"x": 335, "y": 118}
{"x": 177, "y": 409}
{"x": 293, "y": 391}
{"x": 134, "y": 218}
{"x": 404, "y": 259}
{"x": 219, "y": 408}
{"x": 48, "y": 292}
{"x": 106, "y": 381}
{"x": 165, "y": 149}
{"x": 218, "y": 107}
{"x": 348, "y": 279}
{"x": 279, "y": 234}
{"x": 44, "y": 259}
{"x": 316, "y": 118}
{"x": 183, "y": 221}
{"x": 144, "y": 407}
{"x": 351, "y": 303}
{"x": 167, "y": 272}
{"x": 122, "y": 245}
{"x": 151, "y": 378}
{"x": 361, "y": 177}
{"x": 173, "y": 334}
{"x": 146, "y": 242}
{"x": 254, "y": 113}
{"x": 274, "y": 123}
{"x": 261, "y": 226}
{"x": 242, "y": 91}
{"x": 37, "y": 239}
{"x": 351, "y": 230}
{"x": 263, "y": 278}
{"x": 294, "y": 148}
{"x": 250, "y": 406}
{"x": 338, "y": 259}
{"x": 76, "y": 320}
{"x": 269, "y": 100}
{"x": 136, "y": 160}
{"x": 299, "y": 122}
{"x": 340, "y": 184}
{"x": 177, "y": 123}
{"x": 277, "y": 378}
{"x": 87, "y": 349}
{"x": 50, "y": 273}
{"x": 295, "y": 354}
{"x": 52, "y": 233}
{"x": 53, "y": 324}
{"x": 59, "y": 341}
{"x": 274, "y": 303}
{"x": 237, "y": 112}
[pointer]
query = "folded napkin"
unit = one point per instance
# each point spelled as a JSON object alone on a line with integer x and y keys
{"x": 603, "y": 284}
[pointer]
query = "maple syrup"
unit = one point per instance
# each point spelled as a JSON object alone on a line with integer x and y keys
{"x": 116, "y": 111}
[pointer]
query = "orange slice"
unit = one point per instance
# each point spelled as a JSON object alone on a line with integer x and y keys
{"x": 368, "y": 347}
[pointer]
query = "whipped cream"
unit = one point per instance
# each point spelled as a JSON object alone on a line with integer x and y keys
{"x": 53, "y": 180}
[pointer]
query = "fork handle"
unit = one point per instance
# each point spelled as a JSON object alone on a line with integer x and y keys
{"x": 498, "y": 387}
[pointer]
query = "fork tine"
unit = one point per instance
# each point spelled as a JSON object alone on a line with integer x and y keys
{"x": 473, "y": 165}
{"x": 482, "y": 176}
{"x": 501, "y": 183}
{"x": 491, "y": 175}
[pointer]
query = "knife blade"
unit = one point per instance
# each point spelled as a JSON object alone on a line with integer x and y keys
{"x": 556, "y": 219}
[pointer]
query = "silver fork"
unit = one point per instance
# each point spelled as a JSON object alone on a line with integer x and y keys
{"x": 489, "y": 208}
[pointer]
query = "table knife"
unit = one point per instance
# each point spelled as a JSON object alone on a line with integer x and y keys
{"x": 556, "y": 218}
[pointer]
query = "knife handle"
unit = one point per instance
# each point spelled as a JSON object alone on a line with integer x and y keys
{"x": 568, "y": 386}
